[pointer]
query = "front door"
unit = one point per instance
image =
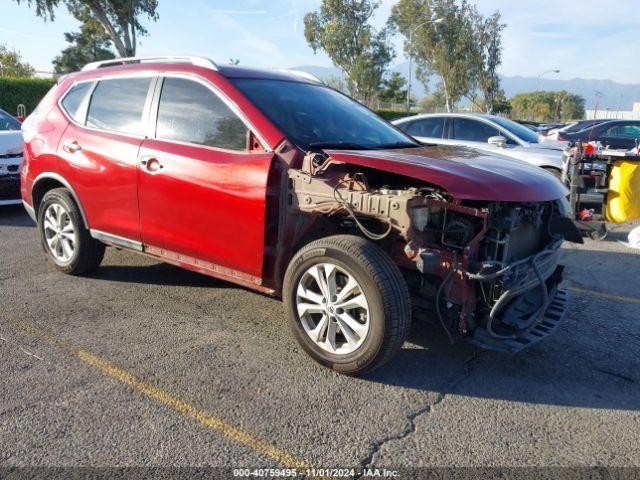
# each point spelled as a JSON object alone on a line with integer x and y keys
{"x": 202, "y": 192}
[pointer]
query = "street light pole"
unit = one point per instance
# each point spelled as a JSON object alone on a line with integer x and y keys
{"x": 532, "y": 113}
{"x": 411, "y": 32}
{"x": 541, "y": 75}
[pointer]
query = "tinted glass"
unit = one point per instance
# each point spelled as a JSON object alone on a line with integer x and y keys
{"x": 118, "y": 105}
{"x": 623, "y": 130}
{"x": 520, "y": 131}
{"x": 73, "y": 99}
{"x": 190, "y": 112}
{"x": 311, "y": 114}
{"x": 581, "y": 125}
{"x": 426, "y": 127}
{"x": 7, "y": 122}
{"x": 473, "y": 130}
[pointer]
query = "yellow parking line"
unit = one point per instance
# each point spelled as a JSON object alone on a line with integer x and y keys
{"x": 214, "y": 423}
{"x": 605, "y": 295}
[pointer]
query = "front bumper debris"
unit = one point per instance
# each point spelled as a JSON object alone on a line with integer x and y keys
{"x": 553, "y": 316}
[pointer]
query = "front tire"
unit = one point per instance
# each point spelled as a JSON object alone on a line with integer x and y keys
{"x": 347, "y": 303}
{"x": 65, "y": 240}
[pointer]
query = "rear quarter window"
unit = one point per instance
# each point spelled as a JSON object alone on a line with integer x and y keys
{"x": 73, "y": 100}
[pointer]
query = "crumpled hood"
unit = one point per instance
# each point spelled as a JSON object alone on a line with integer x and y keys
{"x": 11, "y": 141}
{"x": 465, "y": 173}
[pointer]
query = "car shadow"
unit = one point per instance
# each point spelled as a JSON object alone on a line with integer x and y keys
{"x": 15, "y": 216}
{"x": 157, "y": 274}
{"x": 590, "y": 361}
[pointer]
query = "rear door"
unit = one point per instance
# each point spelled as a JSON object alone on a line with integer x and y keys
{"x": 428, "y": 129}
{"x": 202, "y": 190}
{"x": 100, "y": 147}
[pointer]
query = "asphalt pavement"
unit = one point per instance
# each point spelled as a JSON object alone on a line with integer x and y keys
{"x": 143, "y": 364}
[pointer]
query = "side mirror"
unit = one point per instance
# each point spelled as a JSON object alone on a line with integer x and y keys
{"x": 498, "y": 140}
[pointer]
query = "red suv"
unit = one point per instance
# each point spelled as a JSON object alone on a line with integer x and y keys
{"x": 271, "y": 180}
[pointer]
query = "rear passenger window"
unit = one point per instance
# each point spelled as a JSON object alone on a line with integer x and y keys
{"x": 72, "y": 101}
{"x": 118, "y": 104}
{"x": 190, "y": 112}
{"x": 426, "y": 127}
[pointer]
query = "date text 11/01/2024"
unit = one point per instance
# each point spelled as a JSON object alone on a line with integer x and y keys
{"x": 317, "y": 472}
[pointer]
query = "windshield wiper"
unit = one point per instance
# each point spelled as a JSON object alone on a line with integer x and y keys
{"x": 398, "y": 145}
{"x": 337, "y": 145}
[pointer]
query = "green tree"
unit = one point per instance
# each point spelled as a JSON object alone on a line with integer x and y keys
{"x": 489, "y": 35}
{"x": 449, "y": 49}
{"x": 337, "y": 83}
{"x": 433, "y": 103}
{"x": 90, "y": 44}
{"x": 393, "y": 89}
{"x": 11, "y": 64}
{"x": 548, "y": 106}
{"x": 342, "y": 29}
{"x": 119, "y": 18}
{"x": 500, "y": 103}
{"x": 572, "y": 107}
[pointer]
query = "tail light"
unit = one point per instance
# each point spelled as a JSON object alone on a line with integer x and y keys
{"x": 562, "y": 139}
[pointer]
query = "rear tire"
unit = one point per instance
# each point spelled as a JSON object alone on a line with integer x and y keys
{"x": 600, "y": 234}
{"x": 358, "y": 275}
{"x": 65, "y": 240}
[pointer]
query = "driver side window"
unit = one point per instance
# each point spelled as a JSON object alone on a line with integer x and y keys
{"x": 190, "y": 112}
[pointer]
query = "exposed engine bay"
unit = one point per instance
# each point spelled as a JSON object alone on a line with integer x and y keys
{"x": 486, "y": 271}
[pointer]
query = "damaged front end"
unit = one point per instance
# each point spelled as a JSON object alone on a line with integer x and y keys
{"x": 488, "y": 271}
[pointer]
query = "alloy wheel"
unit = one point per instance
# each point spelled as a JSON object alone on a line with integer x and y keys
{"x": 332, "y": 308}
{"x": 59, "y": 232}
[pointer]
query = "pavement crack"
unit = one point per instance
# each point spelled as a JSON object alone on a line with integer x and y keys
{"x": 410, "y": 426}
{"x": 20, "y": 348}
{"x": 616, "y": 375}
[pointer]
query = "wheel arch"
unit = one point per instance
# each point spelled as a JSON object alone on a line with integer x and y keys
{"x": 48, "y": 181}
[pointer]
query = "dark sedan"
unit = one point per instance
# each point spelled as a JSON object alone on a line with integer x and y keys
{"x": 617, "y": 134}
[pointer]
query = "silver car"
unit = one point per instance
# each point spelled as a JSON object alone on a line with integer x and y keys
{"x": 488, "y": 133}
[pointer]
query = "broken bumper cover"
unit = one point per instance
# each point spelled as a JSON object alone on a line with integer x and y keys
{"x": 531, "y": 305}
{"x": 553, "y": 316}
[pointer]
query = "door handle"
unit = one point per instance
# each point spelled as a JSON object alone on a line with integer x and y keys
{"x": 71, "y": 146}
{"x": 151, "y": 164}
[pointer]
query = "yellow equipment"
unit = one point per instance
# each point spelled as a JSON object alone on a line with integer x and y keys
{"x": 623, "y": 200}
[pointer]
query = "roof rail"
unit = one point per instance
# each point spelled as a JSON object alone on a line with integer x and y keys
{"x": 299, "y": 73}
{"x": 198, "y": 61}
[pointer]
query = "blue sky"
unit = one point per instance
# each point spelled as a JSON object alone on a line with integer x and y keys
{"x": 586, "y": 39}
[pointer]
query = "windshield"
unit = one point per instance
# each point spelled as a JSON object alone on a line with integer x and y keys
{"x": 518, "y": 130}
{"x": 314, "y": 116}
{"x": 7, "y": 122}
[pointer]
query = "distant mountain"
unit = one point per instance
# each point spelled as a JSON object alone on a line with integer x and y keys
{"x": 614, "y": 95}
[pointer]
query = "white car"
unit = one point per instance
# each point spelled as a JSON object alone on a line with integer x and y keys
{"x": 11, "y": 147}
{"x": 488, "y": 133}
